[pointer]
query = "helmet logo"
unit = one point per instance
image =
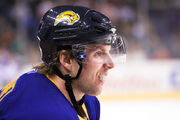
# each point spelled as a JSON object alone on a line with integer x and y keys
{"x": 67, "y": 17}
{"x": 81, "y": 56}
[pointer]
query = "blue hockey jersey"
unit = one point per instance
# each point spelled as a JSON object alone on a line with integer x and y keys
{"x": 35, "y": 97}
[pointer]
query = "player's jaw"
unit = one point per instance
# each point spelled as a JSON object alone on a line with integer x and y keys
{"x": 95, "y": 83}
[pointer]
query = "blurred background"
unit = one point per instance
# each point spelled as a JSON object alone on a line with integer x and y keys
{"x": 147, "y": 86}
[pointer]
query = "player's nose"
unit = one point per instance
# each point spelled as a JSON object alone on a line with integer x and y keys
{"x": 109, "y": 64}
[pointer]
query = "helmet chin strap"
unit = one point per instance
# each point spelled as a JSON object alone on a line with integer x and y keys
{"x": 68, "y": 80}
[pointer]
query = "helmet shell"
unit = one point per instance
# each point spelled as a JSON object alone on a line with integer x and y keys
{"x": 69, "y": 25}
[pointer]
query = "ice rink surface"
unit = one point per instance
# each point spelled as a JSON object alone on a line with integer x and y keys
{"x": 140, "y": 110}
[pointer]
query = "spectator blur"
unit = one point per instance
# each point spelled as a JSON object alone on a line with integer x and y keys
{"x": 151, "y": 29}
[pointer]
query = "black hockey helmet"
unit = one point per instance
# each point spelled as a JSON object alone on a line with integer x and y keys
{"x": 75, "y": 26}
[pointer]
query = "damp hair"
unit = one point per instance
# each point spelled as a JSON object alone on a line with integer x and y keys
{"x": 47, "y": 69}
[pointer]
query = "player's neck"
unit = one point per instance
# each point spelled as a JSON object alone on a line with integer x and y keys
{"x": 60, "y": 83}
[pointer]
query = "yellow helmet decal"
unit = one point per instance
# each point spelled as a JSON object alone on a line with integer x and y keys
{"x": 67, "y": 17}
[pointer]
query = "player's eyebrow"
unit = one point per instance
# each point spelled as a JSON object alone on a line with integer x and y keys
{"x": 95, "y": 48}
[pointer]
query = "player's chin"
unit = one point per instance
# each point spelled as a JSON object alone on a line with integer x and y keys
{"x": 99, "y": 92}
{"x": 96, "y": 91}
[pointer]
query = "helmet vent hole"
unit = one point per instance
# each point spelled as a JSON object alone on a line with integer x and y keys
{"x": 94, "y": 19}
{"x": 99, "y": 30}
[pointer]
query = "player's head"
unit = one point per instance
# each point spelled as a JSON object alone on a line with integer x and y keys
{"x": 75, "y": 27}
{"x": 79, "y": 43}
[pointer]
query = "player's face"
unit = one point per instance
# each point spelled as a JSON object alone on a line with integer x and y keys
{"x": 98, "y": 62}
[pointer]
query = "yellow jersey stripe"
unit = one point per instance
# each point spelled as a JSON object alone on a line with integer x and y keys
{"x": 51, "y": 80}
{"x": 7, "y": 89}
{"x": 85, "y": 111}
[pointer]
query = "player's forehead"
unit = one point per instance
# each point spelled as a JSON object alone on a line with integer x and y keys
{"x": 94, "y": 47}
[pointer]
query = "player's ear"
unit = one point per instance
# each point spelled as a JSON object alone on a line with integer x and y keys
{"x": 65, "y": 59}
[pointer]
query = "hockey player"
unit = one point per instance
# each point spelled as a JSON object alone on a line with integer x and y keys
{"x": 77, "y": 46}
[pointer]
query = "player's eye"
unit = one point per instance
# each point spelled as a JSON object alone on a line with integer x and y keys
{"x": 99, "y": 54}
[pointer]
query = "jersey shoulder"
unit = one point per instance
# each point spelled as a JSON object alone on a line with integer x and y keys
{"x": 7, "y": 90}
{"x": 11, "y": 89}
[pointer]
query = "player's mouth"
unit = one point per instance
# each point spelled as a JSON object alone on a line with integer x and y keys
{"x": 101, "y": 78}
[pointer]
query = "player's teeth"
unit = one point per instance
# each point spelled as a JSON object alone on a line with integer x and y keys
{"x": 101, "y": 77}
